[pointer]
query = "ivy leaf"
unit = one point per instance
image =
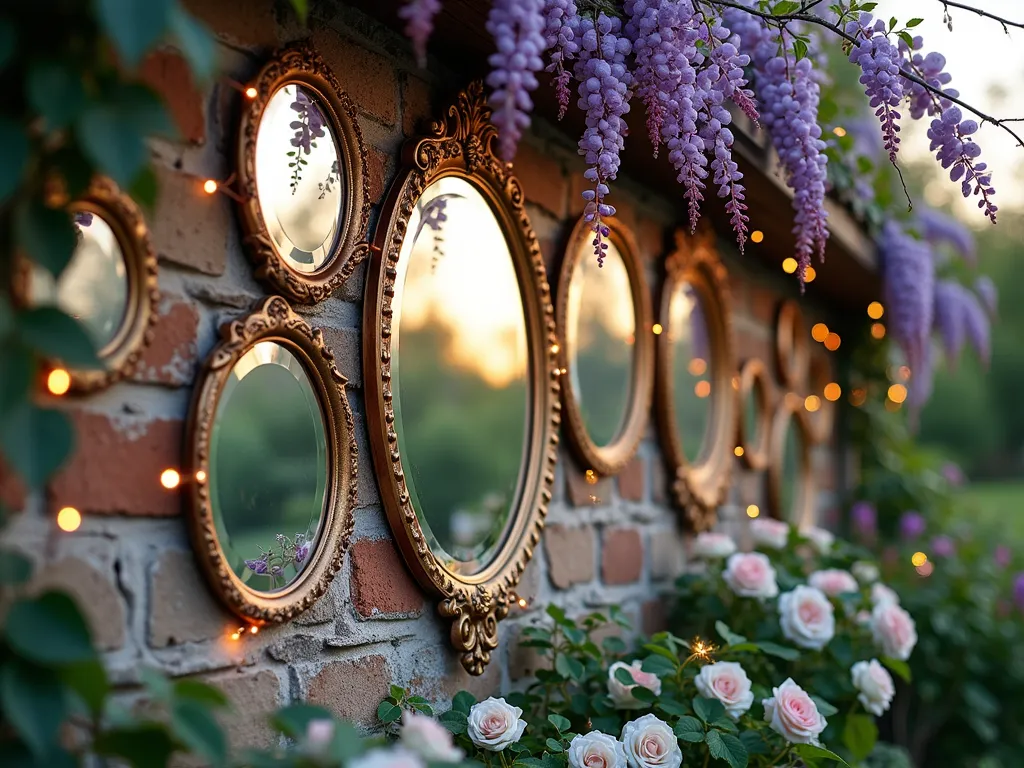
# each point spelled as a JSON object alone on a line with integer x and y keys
{"x": 36, "y": 442}
{"x": 812, "y": 752}
{"x": 33, "y": 702}
{"x": 561, "y": 724}
{"x": 727, "y": 747}
{"x": 134, "y": 26}
{"x": 14, "y": 154}
{"x": 88, "y": 679}
{"x": 388, "y": 712}
{"x": 860, "y": 735}
{"x": 689, "y": 729}
{"x": 708, "y": 710}
{"x": 195, "y": 726}
{"x": 901, "y": 668}
{"x": 397, "y": 693}
{"x": 55, "y": 92}
{"x": 781, "y": 651}
{"x": 826, "y": 709}
{"x": 728, "y": 635}
{"x": 49, "y": 629}
{"x": 195, "y": 42}
{"x": 58, "y": 336}
{"x": 46, "y": 234}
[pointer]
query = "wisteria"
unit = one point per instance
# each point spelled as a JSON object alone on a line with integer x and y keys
{"x": 949, "y": 318}
{"x": 879, "y": 61}
{"x": 419, "y": 23}
{"x": 940, "y": 228}
{"x": 987, "y": 293}
{"x": 560, "y": 24}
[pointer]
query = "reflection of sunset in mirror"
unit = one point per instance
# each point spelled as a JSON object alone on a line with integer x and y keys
{"x": 600, "y": 332}
{"x": 691, "y": 369}
{"x": 298, "y": 175}
{"x": 456, "y": 272}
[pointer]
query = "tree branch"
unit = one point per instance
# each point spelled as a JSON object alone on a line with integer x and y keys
{"x": 811, "y": 18}
{"x": 1006, "y": 23}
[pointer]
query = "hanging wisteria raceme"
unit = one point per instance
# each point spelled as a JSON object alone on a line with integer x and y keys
{"x": 949, "y": 319}
{"x": 419, "y": 17}
{"x": 942, "y": 229}
{"x": 604, "y": 96}
{"x": 518, "y": 28}
{"x": 977, "y": 325}
{"x": 561, "y": 22}
{"x": 879, "y": 61}
{"x": 986, "y": 290}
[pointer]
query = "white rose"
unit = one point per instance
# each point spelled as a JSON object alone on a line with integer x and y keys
{"x": 622, "y": 694}
{"x": 494, "y": 724}
{"x": 894, "y": 630}
{"x": 429, "y": 739}
{"x": 650, "y": 743}
{"x": 383, "y": 757}
{"x": 713, "y": 546}
{"x": 769, "y": 533}
{"x": 866, "y": 573}
{"x": 833, "y": 581}
{"x": 821, "y": 539}
{"x": 319, "y": 733}
{"x": 750, "y": 575}
{"x": 728, "y": 682}
{"x": 792, "y": 713}
{"x": 874, "y": 684}
{"x": 807, "y": 617}
{"x": 596, "y": 750}
{"x": 881, "y": 594}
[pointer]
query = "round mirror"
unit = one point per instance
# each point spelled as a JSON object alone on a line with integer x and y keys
{"x": 691, "y": 369}
{"x": 606, "y": 348}
{"x": 301, "y": 167}
{"x": 459, "y": 373}
{"x": 273, "y": 465}
{"x": 268, "y": 416}
{"x": 299, "y": 178}
{"x": 790, "y": 477}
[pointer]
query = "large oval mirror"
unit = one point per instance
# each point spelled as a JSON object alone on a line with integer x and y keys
{"x": 696, "y": 401}
{"x": 607, "y": 348}
{"x": 790, "y": 475}
{"x": 302, "y": 171}
{"x": 272, "y": 472}
{"x": 462, "y": 378}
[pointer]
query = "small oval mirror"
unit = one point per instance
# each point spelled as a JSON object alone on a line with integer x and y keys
{"x": 692, "y": 369}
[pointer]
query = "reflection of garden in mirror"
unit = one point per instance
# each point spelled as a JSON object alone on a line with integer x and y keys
{"x": 600, "y": 334}
{"x": 299, "y": 178}
{"x": 790, "y": 491}
{"x": 94, "y": 286}
{"x": 691, "y": 369}
{"x": 459, "y": 372}
{"x": 268, "y": 467}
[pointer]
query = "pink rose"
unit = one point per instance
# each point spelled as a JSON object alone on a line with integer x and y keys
{"x": 767, "y": 532}
{"x": 650, "y": 743}
{"x": 712, "y": 546}
{"x": 494, "y": 724}
{"x": 834, "y": 582}
{"x": 394, "y": 757}
{"x": 874, "y": 685}
{"x": 793, "y": 714}
{"x": 429, "y": 739}
{"x": 596, "y": 750}
{"x": 750, "y": 575}
{"x": 727, "y": 682}
{"x": 883, "y": 594}
{"x": 622, "y": 694}
{"x": 807, "y": 617}
{"x": 894, "y": 630}
{"x": 820, "y": 538}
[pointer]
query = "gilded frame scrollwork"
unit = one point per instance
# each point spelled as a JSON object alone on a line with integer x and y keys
{"x": 609, "y": 459}
{"x": 699, "y": 487}
{"x": 272, "y": 319}
{"x": 299, "y": 64}
{"x": 462, "y": 145}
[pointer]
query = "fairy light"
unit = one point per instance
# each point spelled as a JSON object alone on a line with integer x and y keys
{"x": 789, "y": 265}
{"x": 736, "y": 383}
{"x": 897, "y": 393}
{"x": 918, "y": 559}
{"x": 554, "y": 349}
{"x": 591, "y": 476}
{"x": 876, "y": 310}
{"x": 925, "y": 569}
{"x": 839, "y": 131}
{"x": 699, "y": 649}
{"x": 832, "y": 342}
{"x": 522, "y": 603}
{"x": 250, "y": 92}
{"x": 697, "y": 366}
{"x": 69, "y": 519}
{"x": 809, "y": 274}
{"x": 858, "y": 397}
{"x": 201, "y": 476}
{"x": 702, "y": 389}
{"x": 877, "y": 331}
{"x": 738, "y": 450}
{"x": 58, "y": 382}
{"x": 753, "y": 511}
{"x": 210, "y": 187}
{"x": 833, "y": 392}
{"x": 170, "y": 479}
{"x": 756, "y": 236}
{"x": 812, "y": 403}
{"x": 254, "y": 629}
{"x": 819, "y": 332}
{"x": 656, "y": 329}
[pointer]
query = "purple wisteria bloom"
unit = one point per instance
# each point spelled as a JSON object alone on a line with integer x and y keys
{"x": 912, "y": 525}
{"x": 257, "y": 566}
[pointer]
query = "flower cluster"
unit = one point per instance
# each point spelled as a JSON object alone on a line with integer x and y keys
{"x": 288, "y": 553}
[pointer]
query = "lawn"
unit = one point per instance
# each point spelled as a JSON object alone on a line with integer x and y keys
{"x": 998, "y": 505}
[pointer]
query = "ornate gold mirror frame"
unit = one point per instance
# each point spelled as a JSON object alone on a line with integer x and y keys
{"x": 462, "y": 146}
{"x": 755, "y": 380}
{"x": 121, "y": 355}
{"x": 791, "y": 409}
{"x": 273, "y": 320}
{"x": 792, "y": 355}
{"x": 301, "y": 65}
{"x": 699, "y": 487}
{"x": 608, "y": 459}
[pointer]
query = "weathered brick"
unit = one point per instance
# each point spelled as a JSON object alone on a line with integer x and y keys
{"x": 190, "y": 228}
{"x": 181, "y": 608}
{"x": 170, "y": 358}
{"x": 95, "y": 594}
{"x": 169, "y": 74}
{"x": 529, "y": 583}
{"x": 584, "y": 492}
{"x": 368, "y": 78}
{"x": 660, "y": 482}
{"x": 570, "y": 554}
{"x": 352, "y": 689}
{"x": 632, "y": 479}
{"x": 653, "y": 617}
{"x": 377, "y": 174}
{"x": 622, "y": 556}
{"x": 481, "y": 686}
{"x": 381, "y": 585}
{"x": 253, "y": 698}
{"x": 416, "y": 108}
{"x": 116, "y": 466}
{"x": 256, "y": 25}
{"x": 523, "y": 661}
{"x": 665, "y": 554}
{"x": 346, "y": 343}
{"x": 542, "y": 177}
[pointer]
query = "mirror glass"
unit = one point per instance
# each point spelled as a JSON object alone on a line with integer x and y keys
{"x": 600, "y": 333}
{"x": 94, "y": 286}
{"x": 691, "y": 368}
{"x": 299, "y": 178}
{"x": 459, "y": 373}
{"x": 268, "y": 467}
{"x": 752, "y": 416}
{"x": 789, "y": 495}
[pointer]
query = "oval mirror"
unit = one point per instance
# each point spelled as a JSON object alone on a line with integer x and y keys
{"x": 607, "y": 348}
{"x": 790, "y": 476}
{"x": 301, "y": 167}
{"x": 273, "y": 465}
{"x": 754, "y": 422}
{"x": 695, "y": 395}
{"x": 792, "y": 353}
{"x": 462, "y": 382}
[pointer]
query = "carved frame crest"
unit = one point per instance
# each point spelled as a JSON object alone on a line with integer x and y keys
{"x": 609, "y": 459}
{"x": 301, "y": 65}
{"x": 273, "y": 320}
{"x": 462, "y": 145}
{"x": 699, "y": 487}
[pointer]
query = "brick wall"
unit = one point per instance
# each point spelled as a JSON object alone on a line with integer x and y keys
{"x": 615, "y": 542}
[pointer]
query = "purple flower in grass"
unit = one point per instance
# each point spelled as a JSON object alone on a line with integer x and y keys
{"x": 943, "y": 546}
{"x": 1018, "y": 590}
{"x": 912, "y": 525}
{"x": 953, "y": 474}
{"x": 864, "y": 517}
{"x": 257, "y": 566}
{"x": 1002, "y": 556}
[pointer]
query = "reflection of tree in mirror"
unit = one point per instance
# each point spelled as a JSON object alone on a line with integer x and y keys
{"x": 603, "y": 371}
{"x": 308, "y": 128}
{"x": 332, "y": 178}
{"x": 691, "y": 370}
{"x": 272, "y": 562}
{"x": 432, "y": 215}
{"x": 789, "y": 496}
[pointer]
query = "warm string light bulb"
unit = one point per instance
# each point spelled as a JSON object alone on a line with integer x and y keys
{"x": 210, "y": 187}
{"x": 69, "y": 519}
{"x": 753, "y": 511}
{"x": 897, "y": 393}
{"x": 250, "y": 93}
{"x": 833, "y": 392}
{"x": 58, "y": 382}
{"x": 876, "y": 310}
{"x": 832, "y": 341}
{"x": 756, "y": 236}
{"x": 812, "y": 403}
{"x": 819, "y": 332}
{"x": 738, "y": 450}
{"x": 839, "y": 131}
{"x": 789, "y": 265}
{"x": 877, "y": 331}
{"x": 656, "y": 329}
{"x": 170, "y": 479}
{"x": 702, "y": 389}
{"x": 809, "y": 274}
{"x": 919, "y": 558}
{"x": 591, "y": 477}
